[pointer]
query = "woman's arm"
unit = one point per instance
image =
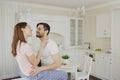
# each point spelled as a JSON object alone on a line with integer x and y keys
{"x": 56, "y": 64}
{"x": 34, "y": 60}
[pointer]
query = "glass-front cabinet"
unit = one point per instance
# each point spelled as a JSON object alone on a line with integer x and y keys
{"x": 80, "y": 32}
{"x": 76, "y": 32}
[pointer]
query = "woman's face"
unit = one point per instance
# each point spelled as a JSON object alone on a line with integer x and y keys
{"x": 27, "y": 31}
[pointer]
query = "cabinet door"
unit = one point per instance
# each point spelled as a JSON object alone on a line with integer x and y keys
{"x": 108, "y": 67}
{"x": 103, "y": 66}
{"x": 103, "y": 25}
{"x": 72, "y": 32}
{"x": 79, "y": 32}
{"x": 100, "y": 66}
{"x": 76, "y": 29}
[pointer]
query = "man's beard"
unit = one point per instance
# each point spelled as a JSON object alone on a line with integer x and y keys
{"x": 39, "y": 36}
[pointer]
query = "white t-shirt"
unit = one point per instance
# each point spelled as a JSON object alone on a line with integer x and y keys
{"x": 50, "y": 49}
{"x": 22, "y": 52}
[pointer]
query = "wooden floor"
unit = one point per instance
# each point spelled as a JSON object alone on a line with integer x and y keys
{"x": 91, "y": 77}
{"x": 11, "y": 78}
{"x": 94, "y": 78}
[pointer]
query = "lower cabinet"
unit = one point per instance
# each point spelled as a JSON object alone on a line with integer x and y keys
{"x": 102, "y": 66}
{"x": 109, "y": 68}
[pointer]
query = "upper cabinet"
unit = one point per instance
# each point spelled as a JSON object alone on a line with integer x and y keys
{"x": 76, "y": 32}
{"x": 103, "y": 25}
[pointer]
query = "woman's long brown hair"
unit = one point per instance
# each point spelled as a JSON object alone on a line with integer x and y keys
{"x": 18, "y": 36}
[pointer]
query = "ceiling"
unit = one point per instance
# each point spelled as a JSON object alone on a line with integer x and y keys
{"x": 69, "y": 3}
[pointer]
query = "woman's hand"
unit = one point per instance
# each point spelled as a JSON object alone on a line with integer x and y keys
{"x": 44, "y": 42}
{"x": 34, "y": 70}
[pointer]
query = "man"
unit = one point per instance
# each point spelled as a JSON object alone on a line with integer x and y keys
{"x": 50, "y": 57}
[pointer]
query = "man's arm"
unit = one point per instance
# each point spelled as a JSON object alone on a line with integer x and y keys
{"x": 56, "y": 63}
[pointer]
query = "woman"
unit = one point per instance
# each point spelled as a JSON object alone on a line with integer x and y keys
{"x": 27, "y": 61}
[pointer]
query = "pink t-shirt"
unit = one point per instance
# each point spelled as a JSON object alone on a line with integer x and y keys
{"x": 22, "y": 52}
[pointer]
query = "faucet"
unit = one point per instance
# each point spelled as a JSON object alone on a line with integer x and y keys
{"x": 88, "y": 44}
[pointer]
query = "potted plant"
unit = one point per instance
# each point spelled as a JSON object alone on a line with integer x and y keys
{"x": 65, "y": 58}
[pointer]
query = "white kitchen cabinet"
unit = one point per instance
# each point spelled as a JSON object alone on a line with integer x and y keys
{"x": 115, "y": 44}
{"x": 101, "y": 67}
{"x": 109, "y": 67}
{"x": 76, "y": 32}
{"x": 103, "y": 25}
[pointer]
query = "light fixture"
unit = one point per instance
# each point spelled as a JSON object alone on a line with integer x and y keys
{"x": 83, "y": 10}
{"x": 78, "y": 12}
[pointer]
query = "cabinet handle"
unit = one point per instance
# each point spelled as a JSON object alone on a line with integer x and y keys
{"x": 105, "y": 32}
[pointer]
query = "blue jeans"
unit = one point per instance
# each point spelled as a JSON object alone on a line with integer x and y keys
{"x": 49, "y": 75}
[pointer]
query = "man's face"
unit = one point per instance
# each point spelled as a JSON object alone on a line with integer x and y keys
{"x": 40, "y": 32}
